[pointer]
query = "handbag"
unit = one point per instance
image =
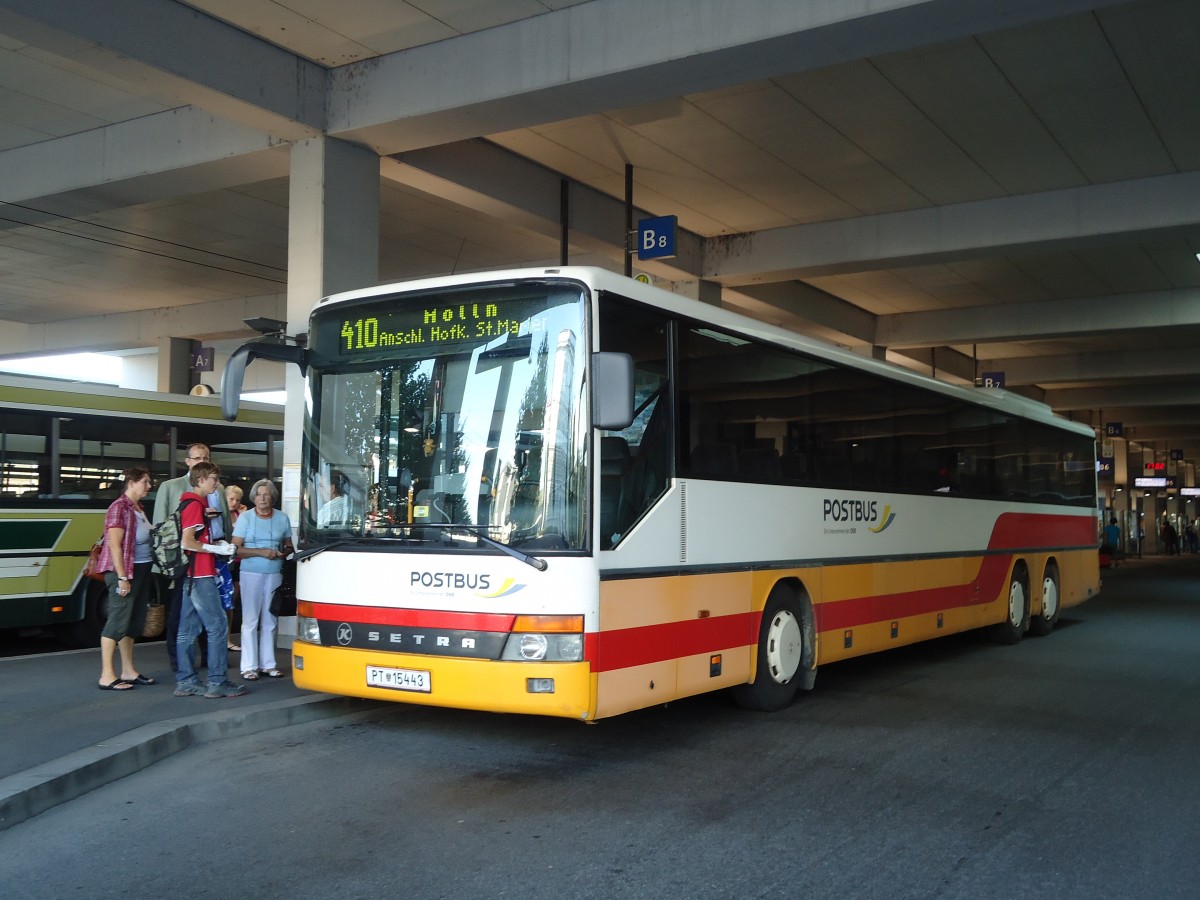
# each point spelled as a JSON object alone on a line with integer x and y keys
{"x": 283, "y": 599}
{"x": 91, "y": 569}
{"x": 156, "y": 620}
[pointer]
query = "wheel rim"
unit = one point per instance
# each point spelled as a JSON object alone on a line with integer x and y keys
{"x": 1049, "y": 598}
{"x": 1016, "y": 604}
{"x": 785, "y": 647}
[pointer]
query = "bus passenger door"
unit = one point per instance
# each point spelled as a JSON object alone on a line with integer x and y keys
{"x": 635, "y": 463}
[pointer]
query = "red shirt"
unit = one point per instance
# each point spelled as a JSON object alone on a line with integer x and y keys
{"x": 121, "y": 514}
{"x": 203, "y": 565}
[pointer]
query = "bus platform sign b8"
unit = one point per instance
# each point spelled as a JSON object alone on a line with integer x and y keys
{"x": 656, "y": 237}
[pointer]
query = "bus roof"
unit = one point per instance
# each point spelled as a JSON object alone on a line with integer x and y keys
{"x": 602, "y": 279}
{"x": 51, "y": 395}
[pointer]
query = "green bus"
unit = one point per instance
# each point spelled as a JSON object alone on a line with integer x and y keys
{"x": 63, "y": 447}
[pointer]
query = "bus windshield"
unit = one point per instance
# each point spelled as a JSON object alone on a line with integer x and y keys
{"x": 459, "y": 408}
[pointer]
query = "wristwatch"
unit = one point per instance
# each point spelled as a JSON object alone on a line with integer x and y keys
{"x": 123, "y": 578}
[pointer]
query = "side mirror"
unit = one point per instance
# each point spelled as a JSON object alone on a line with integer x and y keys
{"x": 235, "y": 369}
{"x": 612, "y": 391}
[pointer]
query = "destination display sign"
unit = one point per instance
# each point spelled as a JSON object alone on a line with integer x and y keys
{"x": 436, "y": 323}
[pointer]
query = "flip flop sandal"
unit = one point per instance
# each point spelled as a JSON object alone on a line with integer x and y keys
{"x": 273, "y": 673}
{"x": 141, "y": 679}
{"x": 117, "y": 685}
{"x": 249, "y": 676}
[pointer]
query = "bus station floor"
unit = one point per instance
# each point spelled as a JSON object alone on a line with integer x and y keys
{"x": 60, "y": 736}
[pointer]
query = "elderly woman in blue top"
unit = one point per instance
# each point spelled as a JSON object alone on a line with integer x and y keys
{"x": 263, "y": 537}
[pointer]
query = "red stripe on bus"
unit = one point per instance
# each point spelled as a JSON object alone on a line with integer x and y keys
{"x": 1033, "y": 531}
{"x": 414, "y": 618}
{"x": 856, "y": 611}
{"x": 625, "y": 647}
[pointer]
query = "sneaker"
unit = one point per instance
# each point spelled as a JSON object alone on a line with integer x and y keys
{"x": 188, "y": 689}
{"x": 219, "y": 689}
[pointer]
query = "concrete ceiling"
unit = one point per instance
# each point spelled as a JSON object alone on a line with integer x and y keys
{"x": 965, "y": 185}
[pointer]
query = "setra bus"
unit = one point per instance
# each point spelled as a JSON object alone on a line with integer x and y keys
{"x": 63, "y": 447}
{"x": 564, "y": 492}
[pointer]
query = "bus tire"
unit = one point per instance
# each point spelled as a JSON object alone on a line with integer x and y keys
{"x": 86, "y": 632}
{"x": 1016, "y": 619}
{"x": 778, "y": 671}
{"x": 1043, "y": 623}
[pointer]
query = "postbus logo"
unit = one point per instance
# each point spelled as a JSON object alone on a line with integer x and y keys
{"x": 853, "y": 512}
{"x": 480, "y": 584}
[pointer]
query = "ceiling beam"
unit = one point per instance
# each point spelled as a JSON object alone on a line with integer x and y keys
{"x": 801, "y": 307}
{"x": 1074, "y": 217}
{"x": 148, "y": 151}
{"x": 1106, "y": 366}
{"x": 169, "y": 50}
{"x": 613, "y": 54}
{"x": 1110, "y": 396}
{"x": 144, "y": 328}
{"x": 479, "y": 175}
{"x": 1044, "y": 319}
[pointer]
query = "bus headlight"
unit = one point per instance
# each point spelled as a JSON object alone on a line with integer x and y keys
{"x": 307, "y": 630}
{"x": 533, "y": 647}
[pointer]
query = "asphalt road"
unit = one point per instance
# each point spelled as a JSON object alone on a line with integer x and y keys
{"x": 1062, "y": 767}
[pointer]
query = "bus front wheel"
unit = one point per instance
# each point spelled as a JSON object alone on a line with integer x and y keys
{"x": 1016, "y": 619}
{"x": 780, "y": 656}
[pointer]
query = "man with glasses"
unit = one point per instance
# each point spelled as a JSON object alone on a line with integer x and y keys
{"x": 167, "y": 501}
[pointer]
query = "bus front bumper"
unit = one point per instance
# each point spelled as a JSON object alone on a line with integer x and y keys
{"x": 565, "y": 689}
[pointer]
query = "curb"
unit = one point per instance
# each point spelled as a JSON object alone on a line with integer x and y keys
{"x": 43, "y": 787}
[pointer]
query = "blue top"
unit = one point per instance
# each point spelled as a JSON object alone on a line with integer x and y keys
{"x": 258, "y": 533}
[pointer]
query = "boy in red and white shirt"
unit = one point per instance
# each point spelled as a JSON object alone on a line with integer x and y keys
{"x": 201, "y": 606}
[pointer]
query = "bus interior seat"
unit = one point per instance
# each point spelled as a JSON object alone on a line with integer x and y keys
{"x": 615, "y": 460}
{"x": 714, "y": 459}
{"x": 794, "y": 466}
{"x": 760, "y": 464}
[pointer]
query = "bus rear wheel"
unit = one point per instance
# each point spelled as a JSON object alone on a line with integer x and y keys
{"x": 1043, "y": 623}
{"x": 1016, "y": 621}
{"x": 780, "y": 656}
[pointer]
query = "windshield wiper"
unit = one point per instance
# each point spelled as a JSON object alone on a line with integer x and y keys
{"x": 301, "y": 555}
{"x": 465, "y": 533}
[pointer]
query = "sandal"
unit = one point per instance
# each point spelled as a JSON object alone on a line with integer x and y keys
{"x": 250, "y": 676}
{"x": 234, "y": 648}
{"x": 273, "y": 673}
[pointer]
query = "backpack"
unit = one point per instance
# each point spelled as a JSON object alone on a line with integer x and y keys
{"x": 166, "y": 542}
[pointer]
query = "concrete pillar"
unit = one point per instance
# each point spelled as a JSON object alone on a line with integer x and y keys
{"x": 175, "y": 375}
{"x": 333, "y": 244}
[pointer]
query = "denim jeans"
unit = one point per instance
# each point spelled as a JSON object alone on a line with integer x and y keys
{"x": 201, "y": 608}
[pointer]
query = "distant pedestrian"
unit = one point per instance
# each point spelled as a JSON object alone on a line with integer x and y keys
{"x": 1112, "y": 539}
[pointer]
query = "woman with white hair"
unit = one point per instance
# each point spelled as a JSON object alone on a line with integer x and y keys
{"x": 263, "y": 537}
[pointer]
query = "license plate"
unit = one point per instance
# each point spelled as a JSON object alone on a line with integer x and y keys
{"x": 399, "y": 679}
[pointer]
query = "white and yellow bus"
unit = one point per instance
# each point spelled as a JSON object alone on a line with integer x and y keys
{"x": 63, "y": 447}
{"x": 566, "y": 493}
